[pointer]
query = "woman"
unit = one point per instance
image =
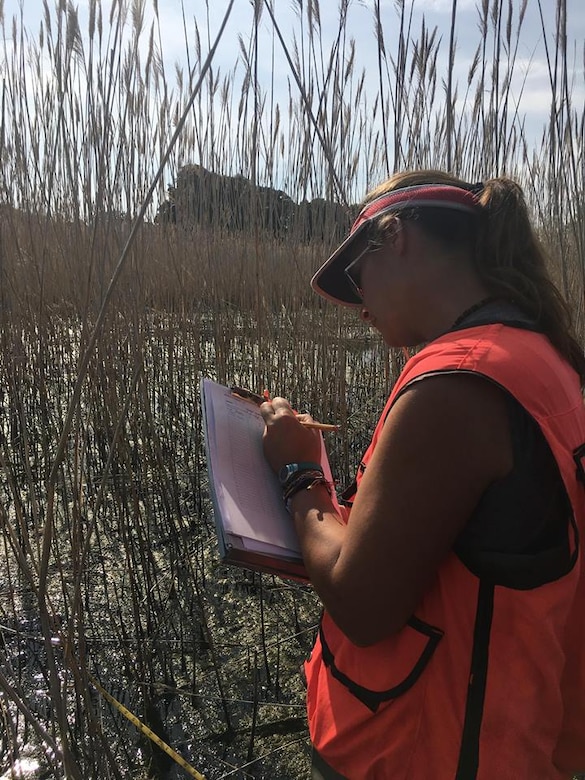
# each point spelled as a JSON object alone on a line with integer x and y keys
{"x": 452, "y": 643}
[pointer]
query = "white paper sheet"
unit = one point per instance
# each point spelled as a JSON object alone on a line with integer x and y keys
{"x": 247, "y": 491}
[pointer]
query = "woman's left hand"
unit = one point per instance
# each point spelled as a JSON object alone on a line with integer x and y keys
{"x": 285, "y": 439}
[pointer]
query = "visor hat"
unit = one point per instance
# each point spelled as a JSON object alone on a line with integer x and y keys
{"x": 330, "y": 280}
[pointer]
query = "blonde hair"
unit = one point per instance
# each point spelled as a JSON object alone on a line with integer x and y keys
{"x": 505, "y": 249}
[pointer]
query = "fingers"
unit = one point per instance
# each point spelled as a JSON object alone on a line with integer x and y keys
{"x": 285, "y": 438}
{"x": 277, "y": 407}
{"x": 281, "y": 405}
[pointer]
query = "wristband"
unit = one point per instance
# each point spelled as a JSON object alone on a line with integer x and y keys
{"x": 307, "y": 476}
{"x": 292, "y": 471}
{"x": 306, "y": 482}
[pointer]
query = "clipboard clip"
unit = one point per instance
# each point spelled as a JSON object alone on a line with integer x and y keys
{"x": 249, "y": 395}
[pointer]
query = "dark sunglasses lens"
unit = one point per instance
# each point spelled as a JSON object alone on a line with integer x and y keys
{"x": 353, "y": 273}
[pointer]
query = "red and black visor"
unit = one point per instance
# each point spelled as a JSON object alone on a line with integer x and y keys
{"x": 330, "y": 280}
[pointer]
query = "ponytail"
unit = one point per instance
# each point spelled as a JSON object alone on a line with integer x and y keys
{"x": 512, "y": 264}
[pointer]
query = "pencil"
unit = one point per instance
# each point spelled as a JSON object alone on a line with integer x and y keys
{"x": 255, "y": 398}
{"x": 319, "y": 426}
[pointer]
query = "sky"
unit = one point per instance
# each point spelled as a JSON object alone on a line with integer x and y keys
{"x": 532, "y": 82}
{"x": 531, "y": 51}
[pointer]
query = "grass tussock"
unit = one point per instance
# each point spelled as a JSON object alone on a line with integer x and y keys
{"x": 108, "y": 319}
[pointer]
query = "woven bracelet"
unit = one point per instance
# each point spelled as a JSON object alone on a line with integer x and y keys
{"x": 308, "y": 482}
{"x": 300, "y": 478}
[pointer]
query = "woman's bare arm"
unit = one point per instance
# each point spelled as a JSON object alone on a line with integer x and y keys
{"x": 445, "y": 440}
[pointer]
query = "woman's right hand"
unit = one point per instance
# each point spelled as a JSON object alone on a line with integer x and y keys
{"x": 285, "y": 439}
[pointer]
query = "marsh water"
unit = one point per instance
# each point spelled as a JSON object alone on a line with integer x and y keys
{"x": 110, "y": 565}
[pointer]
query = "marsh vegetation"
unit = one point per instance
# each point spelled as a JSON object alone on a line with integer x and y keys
{"x": 109, "y": 568}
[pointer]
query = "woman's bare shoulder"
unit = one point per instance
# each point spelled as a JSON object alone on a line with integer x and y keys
{"x": 462, "y": 415}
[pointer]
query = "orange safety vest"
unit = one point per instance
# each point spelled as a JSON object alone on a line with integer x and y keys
{"x": 487, "y": 679}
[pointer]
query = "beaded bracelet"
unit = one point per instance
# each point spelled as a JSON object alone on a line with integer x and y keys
{"x": 300, "y": 478}
{"x": 307, "y": 483}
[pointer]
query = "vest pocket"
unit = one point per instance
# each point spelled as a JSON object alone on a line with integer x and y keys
{"x": 384, "y": 671}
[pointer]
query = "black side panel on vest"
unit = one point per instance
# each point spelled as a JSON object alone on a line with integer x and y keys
{"x": 348, "y": 494}
{"x": 469, "y": 753}
{"x": 519, "y": 534}
{"x": 579, "y": 458}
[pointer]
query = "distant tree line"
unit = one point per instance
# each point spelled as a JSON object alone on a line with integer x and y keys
{"x": 235, "y": 204}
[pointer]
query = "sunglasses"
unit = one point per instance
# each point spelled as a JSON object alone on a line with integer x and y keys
{"x": 353, "y": 270}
